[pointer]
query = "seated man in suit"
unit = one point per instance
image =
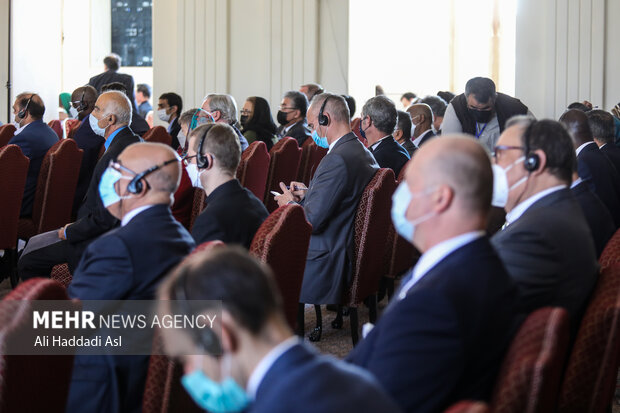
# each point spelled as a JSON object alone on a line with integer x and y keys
{"x": 438, "y": 107}
{"x": 110, "y": 119}
{"x": 292, "y": 117}
{"x": 223, "y": 109}
{"x": 250, "y": 361}
{"x": 138, "y": 125}
{"x": 233, "y": 214}
{"x": 547, "y": 246}
{"x": 603, "y": 130}
{"x": 128, "y": 264}
{"x": 112, "y": 63}
{"x": 592, "y": 164}
{"x": 34, "y": 138}
{"x": 188, "y": 121}
{"x": 378, "y": 120}
{"x": 402, "y": 133}
{"x": 169, "y": 109}
{"x": 330, "y": 202}
{"x": 422, "y": 121}
{"x": 443, "y": 336}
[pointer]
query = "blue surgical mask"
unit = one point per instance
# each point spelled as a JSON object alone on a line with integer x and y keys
{"x": 107, "y": 192}
{"x": 94, "y": 125}
{"x": 362, "y": 131}
{"x": 400, "y": 202}
{"x": 226, "y": 396}
{"x": 320, "y": 142}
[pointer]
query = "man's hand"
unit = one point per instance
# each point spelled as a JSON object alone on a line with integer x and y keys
{"x": 285, "y": 197}
{"x": 298, "y": 190}
{"x": 61, "y": 232}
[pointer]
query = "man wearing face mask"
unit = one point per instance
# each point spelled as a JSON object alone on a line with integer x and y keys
{"x": 546, "y": 246}
{"x": 481, "y": 112}
{"x": 169, "y": 108}
{"x": 402, "y": 133}
{"x": 136, "y": 189}
{"x": 251, "y": 361}
{"x": 422, "y": 123}
{"x": 223, "y": 109}
{"x": 330, "y": 202}
{"x": 233, "y": 214}
{"x": 292, "y": 117}
{"x": 110, "y": 119}
{"x": 457, "y": 305}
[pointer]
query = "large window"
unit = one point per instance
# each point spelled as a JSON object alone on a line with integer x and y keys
{"x": 131, "y": 31}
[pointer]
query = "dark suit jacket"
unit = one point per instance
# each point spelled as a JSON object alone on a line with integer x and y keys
{"x": 115, "y": 267}
{"x": 429, "y": 135}
{"x": 597, "y": 216}
{"x": 389, "y": 154}
{"x": 602, "y": 178}
{"x": 550, "y": 254}
{"x": 173, "y": 129}
{"x": 233, "y": 215}
{"x": 612, "y": 153}
{"x": 299, "y": 131}
{"x": 90, "y": 143}
{"x": 93, "y": 218}
{"x": 110, "y": 76}
{"x": 138, "y": 124}
{"x": 301, "y": 380}
{"x": 144, "y": 108}
{"x": 330, "y": 205}
{"x": 409, "y": 147}
{"x": 34, "y": 141}
{"x": 445, "y": 340}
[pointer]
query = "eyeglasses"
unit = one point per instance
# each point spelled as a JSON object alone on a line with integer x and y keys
{"x": 245, "y": 112}
{"x": 114, "y": 164}
{"x": 186, "y": 159}
{"x": 286, "y": 108}
{"x": 497, "y": 150}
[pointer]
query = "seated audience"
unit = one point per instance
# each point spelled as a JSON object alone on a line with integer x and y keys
{"x": 402, "y": 133}
{"x": 311, "y": 90}
{"x": 251, "y": 352}
{"x": 257, "y": 122}
{"x": 422, "y": 123}
{"x": 592, "y": 164}
{"x": 128, "y": 264}
{"x": 143, "y": 95}
{"x": 481, "y": 112}
{"x": 34, "y": 138}
{"x": 169, "y": 108}
{"x": 223, "y": 109}
{"x": 438, "y": 106}
{"x": 408, "y": 99}
{"x": 546, "y": 246}
{"x": 138, "y": 125}
{"x": 351, "y": 104}
{"x": 190, "y": 120}
{"x": 112, "y": 63}
{"x": 443, "y": 336}
{"x": 378, "y": 120}
{"x": 233, "y": 214}
{"x": 292, "y": 117}
{"x": 604, "y": 134}
{"x": 110, "y": 118}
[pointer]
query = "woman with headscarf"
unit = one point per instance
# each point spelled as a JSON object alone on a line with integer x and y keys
{"x": 257, "y": 122}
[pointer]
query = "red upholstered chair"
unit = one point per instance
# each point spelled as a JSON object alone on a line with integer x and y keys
{"x": 158, "y": 134}
{"x": 6, "y": 133}
{"x": 311, "y": 156}
{"x": 31, "y": 383}
{"x": 53, "y": 198}
{"x": 184, "y": 200}
{"x": 71, "y": 126}
{"x": 590, "y": 376}
{"x": 61, "y": 274}
{"x": 282, "y": 242}
{"x": 468, "y": 407}
{"x": 200, "y": 202}
{"x": 528, "y": 380}
{"x": 56, "y": 126}
{"x": 611, "y": 254}
{"x": 283, "y": 165}
{"x": 355, "y": 127}
{"x": 207, "y": 246}
{"x": 13, "y": 172}
{"x": 253, "y": 168}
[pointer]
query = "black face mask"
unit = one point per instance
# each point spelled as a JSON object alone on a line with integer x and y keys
{"x": 481, "y": 116}
{"x": 244, "y": 119}
{"x": 281, "y": 117}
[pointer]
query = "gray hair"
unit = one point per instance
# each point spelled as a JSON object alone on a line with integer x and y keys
{"x": 383, "y": 113}
{"x": 119, "y": 105}
{"x": 523, "y": 121}
{"x": 225, "y": 104}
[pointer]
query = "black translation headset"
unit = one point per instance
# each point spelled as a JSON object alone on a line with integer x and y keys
{"x": 205, "y": 337}
{"x": 532, "y": 160}
{"x": 136, "y": 186}
{"x": 82, "y": 105}
{"x": 22, "y": 113}
{"x": 323, "y": 119}
{"x": 204, "y": 160}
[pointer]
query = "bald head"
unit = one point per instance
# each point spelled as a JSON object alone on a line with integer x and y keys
{"x": 576, "y": 122}
{"x": 421, "y": 116}
{"x": 143, "y": 156}
{"x": 32, "y": 104}
{"x": 115, "y": 103}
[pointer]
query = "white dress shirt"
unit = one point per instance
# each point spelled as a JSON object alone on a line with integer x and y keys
{"x": 576, "y": 182}
{"x": 374, "y": 145}
{"x": 583, "y": 145}
{"x": 131, "y": 214}
{"x": 331, "y": 145}
{"x": 19, "y": 130}
{"x": 265, "y": 364}
{"x": 417, "y": 140}
{"x": 520, "y": 209}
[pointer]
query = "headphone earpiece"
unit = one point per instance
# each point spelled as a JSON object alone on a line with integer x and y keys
{"x": 532, "y": 160}
{"x": 323, "y": 119}
{"x": 203, "y": 161}
{"x": 22, "y": 113}
{"x": 135, "y": 186}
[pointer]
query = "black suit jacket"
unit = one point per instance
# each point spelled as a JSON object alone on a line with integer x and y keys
{"x": 90, "y": 143}
{"x": 233, "y": 215}
{"x": 429, "y": 135}
{"x": 93, "y": 218}
{"x": 445, "y": 340}
{"x": 138, "y": 124}
{"x": 110, "y": 76}
{"x": 597, "y": 216}
{"x": 612, "y": 152}
{"x": 550, "y": 254}
{"x": 330, "y": 205}
{"x": 174, "y": 130}
{"x": 389, "y": 154}
{"x": 299, "y": 131}
{"x": 602, "y": 178}
{"x": 409, "y": 147}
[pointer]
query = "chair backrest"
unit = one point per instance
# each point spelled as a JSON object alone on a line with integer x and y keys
{"x": 592, "y": 369}
{"x": 611, "y": 253}
{"x": 56, "y": 185}
{"x": 468, "y": 406}
{"x": 49, "y": 375}
{"x": 71, "y": 126}
{"x": 6, "y": 133}
{"x": 371, "y": 220}
{"x": 56, "y": 126}
{"x": 200, "y": 202}
{"x": 253, "y": 168}
{"x": 355, "y": 128}
{"x": 282, "y": 242}
{"x": 283, "y": 165}
{"x": 13, "y": 172}
{"x": 311, "y": 156}
{"x": 158, "y": 134}
{"x": 529, "y": 377}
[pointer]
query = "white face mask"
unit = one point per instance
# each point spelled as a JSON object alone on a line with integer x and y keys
{"x": 94, "y": 125}
{"x": 162, "y": 115}
{"x": 501, "y": 190}
{"x": 73, "y": 112}
{"x": 194, "y": 175}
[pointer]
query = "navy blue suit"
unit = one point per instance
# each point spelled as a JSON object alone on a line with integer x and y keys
{"x": 34, "y": 141}
{"x": 303, "y": 381}
{"x": 116, "y": 267}
{"x": 90, "y": 143}
{"x": 596, "y": 214}
{"x": 389, "y": 154}
{"x": 612, "y": 152}
{"x": 445, "y": 340}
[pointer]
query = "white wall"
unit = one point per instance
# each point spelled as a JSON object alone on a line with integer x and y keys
{"x": 4, "y": 73}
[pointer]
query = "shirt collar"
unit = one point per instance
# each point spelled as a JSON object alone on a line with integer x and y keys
{"x": 374, "y": 145}
{"x": 132, "y": 214}
{"x": 417, "y": 140}
{"x": 435, "y": 255}
{"x": 576, "y": 182}
{"x": 108, "y": 141}
{"x": 331, "y": 145}
{"x": 520, "y": 209}
{"x": 266, "y": 363}
{"x": 583, "y": 145}
{"x": 18, "y": 131}
{"x": 602, "y": 146}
